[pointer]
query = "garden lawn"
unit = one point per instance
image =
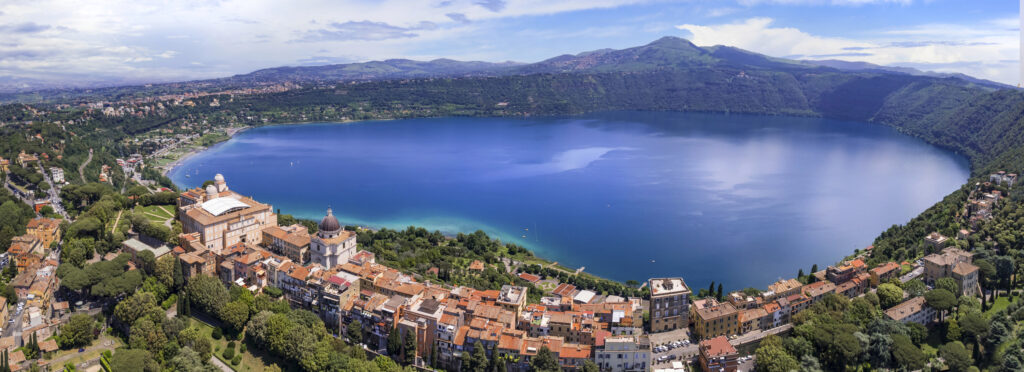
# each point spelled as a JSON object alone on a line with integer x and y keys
{"x": 253, "y": 360}
{"x": 1001, "y": 303}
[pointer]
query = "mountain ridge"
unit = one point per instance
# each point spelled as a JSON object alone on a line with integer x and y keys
{"x": 668, "y": 52}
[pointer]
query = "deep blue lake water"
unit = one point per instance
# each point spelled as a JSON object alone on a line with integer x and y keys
{"x": 741, "y": 200}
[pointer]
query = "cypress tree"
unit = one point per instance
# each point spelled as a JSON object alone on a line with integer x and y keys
{"x": 720, "y": 292}
{"x": 711, "y": 289}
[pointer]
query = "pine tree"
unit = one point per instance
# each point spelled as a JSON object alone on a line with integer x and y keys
{"x": 433, "y": 357}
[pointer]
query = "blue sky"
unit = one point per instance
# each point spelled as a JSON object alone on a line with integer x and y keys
{"x": 152, "y": 41}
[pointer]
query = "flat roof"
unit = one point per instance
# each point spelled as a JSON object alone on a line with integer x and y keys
{"x": 663, "y": 286}
{"x": 220, "y": 206}
{"x": 138, "y": 246}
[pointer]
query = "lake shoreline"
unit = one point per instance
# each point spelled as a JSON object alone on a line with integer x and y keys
{"x": 563, "y": 242}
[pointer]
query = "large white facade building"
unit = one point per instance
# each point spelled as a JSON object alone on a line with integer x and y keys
{"x": 624, "y": 354}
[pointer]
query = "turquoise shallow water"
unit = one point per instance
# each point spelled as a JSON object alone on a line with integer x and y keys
{"x": 742, "y": 200}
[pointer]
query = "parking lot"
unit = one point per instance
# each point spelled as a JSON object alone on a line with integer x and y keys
{"x": 670, "y": 346}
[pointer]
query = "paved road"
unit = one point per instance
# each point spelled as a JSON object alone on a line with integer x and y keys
{"x": 81, "y": 168}
{"x": 220, "y": 364}
{"x": 54, "y": 193}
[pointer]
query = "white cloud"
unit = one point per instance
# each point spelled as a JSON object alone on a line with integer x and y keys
{"x": 56, "y": 39}
{"x": 825, "y": 2}
{"x": 988, "y": 50}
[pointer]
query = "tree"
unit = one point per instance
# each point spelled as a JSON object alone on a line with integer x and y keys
{"x": 987, "y": 273}
{"x": 544, "y": 361}
{"x": 145, "y": 334}
{"x": 771, "y": 356}
{"x": 206, "y": 293}
{"x": 134, "y": 307}
{"x": 78, "y": 331}
{"x": 588, "y": 366}
{"x": 953, "y": 330}
{"x": 127, "y": 360}
{"x": 948, "y": 284}
{"x": 165, "y": 270}
{"x": 190, "y": 360}
{"x": 385, "y": 364}
{"x": 809, "y": 363}
{"x": 147, "y": 261}
{"x": 915, "y": 288}
{"x": 957, "y": 358}
{"x": 234, "y": 315}
{"x": 973, "y": 325}
{"x": 394, "y": 341}
{"x": 409, "y": 348}
{"x": 905, "y": 354}
{"x": 878, "y": 350}
{"x": 889, "y": 295}
{"x": 1004, "y": 269}
{"x": 719, "y": 295}
{"x": 354, "y": 331}
{"x": 940, "y": 299}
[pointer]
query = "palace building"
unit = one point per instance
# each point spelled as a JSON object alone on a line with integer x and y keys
{"x": 222, "y": 217}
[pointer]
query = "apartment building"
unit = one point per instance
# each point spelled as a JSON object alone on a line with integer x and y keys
{"x": 669, "y": 307}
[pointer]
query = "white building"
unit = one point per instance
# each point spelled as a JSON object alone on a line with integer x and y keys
{"x": 57, "y": 175}
{"x": 624, "y": 354}
{"x": 914, "y": 310}
{"x": 332, "y": 245}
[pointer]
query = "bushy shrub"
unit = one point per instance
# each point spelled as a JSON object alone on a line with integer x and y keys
{"x": 228, "y": 353}
{"x": 236, "y": 360}
{"x": 242, "y": 348}
{"x": 231, "y": 345}
{"x": 217, "y": 333}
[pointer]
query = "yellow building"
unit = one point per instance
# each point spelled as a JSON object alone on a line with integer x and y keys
{"x": 222, "y": 217}
{"x": 289, "y": 241}
{"x": 47, "y": 230}
{"x": 716, "y": 320}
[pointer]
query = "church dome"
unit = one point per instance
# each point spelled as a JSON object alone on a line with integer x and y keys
{"x": 329, "y": 223}
{"x": 219, "y": 178}
{"x": 211, "y": 191}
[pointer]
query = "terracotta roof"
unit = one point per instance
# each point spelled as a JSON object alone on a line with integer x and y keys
{"x": 885, "y": 268}
{"x": 342, "y": 236}
{"x": 48, "y": 345}
{"x": 747, "y": 315}
{"x": 299, "y": 273}
{"x": 784, "y": 286}
{"x": 906, "y": 308}
{"x": 460, "y": 336}
{"x": 297, "y": 237}
{"x": 564, "y": 289}
{"x": 190, "y": 258}
{"x": 818, "y": 288}
{"x": 574, "y": 351}
{"x": 718, "y": 346}
{"x": 15, "y": 358}
{"x": 715, "y": 312}
{"x": 529, "y": 277}
{"x": 476, "y": 265}
{"x": 963, "y": 268}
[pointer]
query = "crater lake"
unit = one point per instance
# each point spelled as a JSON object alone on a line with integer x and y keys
{"x": 739, "y": 200}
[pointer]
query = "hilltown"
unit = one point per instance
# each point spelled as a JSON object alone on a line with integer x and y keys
{"x": 237, "y": 239}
